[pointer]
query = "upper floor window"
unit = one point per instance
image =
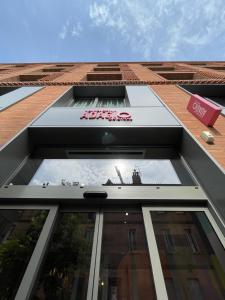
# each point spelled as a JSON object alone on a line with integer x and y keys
{"x": 95, "y": 96}
{"x": 103, "y": 167}
{"x": 99, "y": 102}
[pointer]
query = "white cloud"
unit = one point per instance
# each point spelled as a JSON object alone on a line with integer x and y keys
{"x": 64, "y": 30}
{"x": 70, "y": 29}
{"x": 76, "y": 30}
{"x": 167, "y": 28}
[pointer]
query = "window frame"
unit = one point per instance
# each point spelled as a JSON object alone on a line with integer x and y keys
{"x": 179, "y": 165}
{"x": 96, "y": 101}
{"x": 33, "y": 265}
{"x": 158, "y": 277}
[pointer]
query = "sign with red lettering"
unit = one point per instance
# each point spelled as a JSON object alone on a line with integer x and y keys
{"x": 105, "y": 114}
{"x": 204, "y": 110}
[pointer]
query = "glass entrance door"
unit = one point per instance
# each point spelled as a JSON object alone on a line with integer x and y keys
{"x": 187, "y": 253}
{"x": 123, "y": 270}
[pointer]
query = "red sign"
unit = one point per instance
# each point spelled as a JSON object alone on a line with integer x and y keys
{"x": 104, "y": 114}
{"x": 204, "y": 110}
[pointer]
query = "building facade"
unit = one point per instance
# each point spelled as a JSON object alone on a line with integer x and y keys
{"x": 107, "y": 189}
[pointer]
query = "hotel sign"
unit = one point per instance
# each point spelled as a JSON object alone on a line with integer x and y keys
{"x": 105, "y": 114}
{"x": 204, "y": 110}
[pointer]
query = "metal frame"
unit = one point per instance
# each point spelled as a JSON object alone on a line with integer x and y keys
{"x": 98, "y": 258}
{"x": 152, "y": 245}
{"x": 25, "y": 289}
{"x": 30, "y": 275}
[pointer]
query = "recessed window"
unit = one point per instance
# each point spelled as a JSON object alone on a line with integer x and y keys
{"x": 6, "y": 90}
{"x": 99, "y": 102}
{"x": 103, "y": 167}
{"x": 156, "y": 69}
{"x": 64, "y": 65}
{"x": 217, "y": 68}
{"x": 105, "y": 172}
{"x": 52, "y": 70}
{"x": 12, "y": 95}
{"x": 152, "y": 64}
{"x": 177, "y": 75}
{"x": 105, "y": 69}
{"x": 108, "y": 65}
{"x": 94, "y": 96}
{"x": 101, "y": 76}
{"x": 27, "y": 77}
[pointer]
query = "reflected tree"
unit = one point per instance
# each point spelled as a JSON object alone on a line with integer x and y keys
{"x": 66, "y": 266}
{"x": 16, "y": 250}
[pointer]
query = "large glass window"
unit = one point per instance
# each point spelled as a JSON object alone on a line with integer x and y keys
{"x": 192, "y": 256}
{"x": 107, "y": 172}
{"x": 19, "y": 232}
{"x": 65, "y": 272}
{"x": 125, "y": 269}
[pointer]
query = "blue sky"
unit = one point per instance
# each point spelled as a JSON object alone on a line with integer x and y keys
{"x": 111, "y": 30}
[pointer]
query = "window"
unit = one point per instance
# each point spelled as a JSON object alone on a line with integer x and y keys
{"x": 131, "y": 238}
{"x": 99, "y": 167}
{"x": 217, "y": 68}
{"x": 6, "y": 90}
{"x": 194, "y": 289}
{"x": 161, "y": 68}
{"x": 101, "y": 76}
{"x": 125, "y": 270}
{"x": 27, "y": 77}
{"x": 197, "y": 274}
{"x": 52, "y": 70}
{"x": 178, "y": 75}
{"x": 191, "y": 241}
{"x": 99, "y": 102}
{"x": 94, "y": 96}
{"x": 12, "y": 95}
{"x": 168, "y": 240}
{"x": 105, "y": 69}
{"x": 105, "y": 172}
{"x": 65, "y": 272}
{"x": 19, "y": 232}
{"x": 211, "y": 92}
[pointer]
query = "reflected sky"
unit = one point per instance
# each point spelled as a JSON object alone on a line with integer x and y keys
{"x": 94, "y": 172}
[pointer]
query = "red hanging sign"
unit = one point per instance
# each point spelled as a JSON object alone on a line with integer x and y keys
{"x": 104, "y": 114}
{"x": 204, "y": 110}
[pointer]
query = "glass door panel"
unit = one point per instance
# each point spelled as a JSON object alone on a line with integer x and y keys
{"x": 191, "y": 254}
{"x": 19, "y": 233}
{"x": 125, "y": 269}
{"x": 65, "y": 271}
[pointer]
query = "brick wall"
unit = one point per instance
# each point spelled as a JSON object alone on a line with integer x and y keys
{"x": 177, "y": 100}
{"x": 18, "y": 116}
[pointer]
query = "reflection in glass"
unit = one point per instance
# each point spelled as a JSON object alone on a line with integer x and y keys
{"x": 110, "y": 172}
{"x": 19, "y": 232}
{"x": 110, "y": 102}
{"x": 65, "y": 272}
{"x": 83, "y": 102}
{"x": 125, "y": 270}
{"x": 195, "y": 269}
